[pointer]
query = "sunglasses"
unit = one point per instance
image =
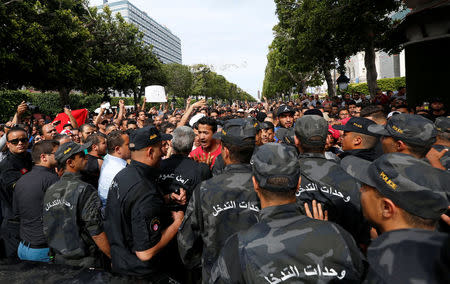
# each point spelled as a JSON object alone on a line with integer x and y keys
{"x": 17, "y": 140}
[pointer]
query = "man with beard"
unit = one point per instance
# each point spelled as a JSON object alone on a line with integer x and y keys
{"x": 285, "y": 117}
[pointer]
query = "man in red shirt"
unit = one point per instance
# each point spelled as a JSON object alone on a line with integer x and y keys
{"x": 380, "y": 98}
{"x": 209, "y": 148}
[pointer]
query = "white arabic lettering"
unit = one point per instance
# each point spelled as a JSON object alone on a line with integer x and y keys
{"x": 291, "y": 271}
{"x": 232, "y": 205}
{"x": 324, "y": 189}
{"x": 57, "y": 202}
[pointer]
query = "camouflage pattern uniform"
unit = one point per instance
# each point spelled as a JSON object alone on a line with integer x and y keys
{"x": 406, "y": 256}
{"x": 218, "y": 208}
{"x": 71, "y": 216}
{"x": 286, "y": 247}
{"x": 443, "y": 126}
{"x": 326, "y": 182}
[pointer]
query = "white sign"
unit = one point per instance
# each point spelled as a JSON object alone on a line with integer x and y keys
{"x": 155, "y": 94}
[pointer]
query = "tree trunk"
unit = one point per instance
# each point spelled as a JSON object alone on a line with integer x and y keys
{"x": 64, "y": 96}
{"x": 330, "y": 83}
{"x": 369, "y": 62}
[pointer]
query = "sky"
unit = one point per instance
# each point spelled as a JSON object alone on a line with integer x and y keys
{"x": 230, "y": 35}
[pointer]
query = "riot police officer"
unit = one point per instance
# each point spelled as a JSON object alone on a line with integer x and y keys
{"x": 72, "y": 220}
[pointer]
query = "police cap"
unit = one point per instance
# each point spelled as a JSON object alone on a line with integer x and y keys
{"x": 412, "y": 184}
{"x": 274, "y": 160}
{"x": 410, "y": 128}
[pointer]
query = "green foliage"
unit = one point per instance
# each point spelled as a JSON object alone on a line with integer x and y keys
{"x": 387, "y": 84}
{"x": 314, "y": 35}
{"x": 179, "y": 79}
{"x": 9, "y": 100}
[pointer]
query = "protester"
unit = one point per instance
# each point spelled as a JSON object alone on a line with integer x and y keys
{"x": 118, "y": 153}
{"x": 209, "y": 148}
{"x": 48, "y": 132}
{"x": 96, "y": 152}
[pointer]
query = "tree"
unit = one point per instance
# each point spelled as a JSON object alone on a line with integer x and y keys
{"x": 44, "y": 44}
{"x": 179, "y": 79}
{"x": 365, "y": 25}
{"x": 286, "y": 68}
{"x": 321, "y": 33}
{"x": 121, "y": 61}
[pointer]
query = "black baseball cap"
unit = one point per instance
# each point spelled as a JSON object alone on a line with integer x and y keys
{"x": 412, "y": 184}
{"x": 357, "y": 124}
{"x": 313, "y": 111}
{"x": 284, "y": 109}
{"x": 144, "y": 137}
{"x": 410, "y": 128}
{"x": 274, "y": 160}
{"x": 69, "y": 149}
{"x": 237, "y": 131}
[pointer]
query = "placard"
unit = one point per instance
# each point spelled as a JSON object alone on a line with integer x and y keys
{"x": 155, "y": 94}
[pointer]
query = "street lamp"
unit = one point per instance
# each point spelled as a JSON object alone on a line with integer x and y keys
{"x": 342, "y": 81}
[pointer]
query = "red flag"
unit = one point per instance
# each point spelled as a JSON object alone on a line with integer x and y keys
{"x": 80, "y": 116}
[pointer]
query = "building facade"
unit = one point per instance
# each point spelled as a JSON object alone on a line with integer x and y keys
{"x": 166, "y": 45}
{"x": 388, "y": 66}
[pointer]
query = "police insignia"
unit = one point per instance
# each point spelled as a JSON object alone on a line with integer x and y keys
{"x": 154, "y": 224}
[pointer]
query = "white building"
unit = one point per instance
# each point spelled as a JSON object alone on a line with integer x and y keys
{"x": 388, "y": 66}
{"x": 166, "y": 45}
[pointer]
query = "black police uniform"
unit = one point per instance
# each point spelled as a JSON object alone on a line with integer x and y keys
{"x": 181, "y": 171}
{"x": 28, "y": 203}
{"x": 12, "y": 167}
{"x": 135, "y": 220}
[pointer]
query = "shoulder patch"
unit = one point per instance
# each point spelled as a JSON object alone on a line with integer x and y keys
{"x": 155, "y": 224}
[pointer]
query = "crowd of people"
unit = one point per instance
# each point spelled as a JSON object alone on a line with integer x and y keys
{"x": 313, "y": 190}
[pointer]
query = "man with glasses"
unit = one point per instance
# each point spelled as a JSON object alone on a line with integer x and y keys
{"x": 28, "y": 201}
{"x": 16, "y": 163}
